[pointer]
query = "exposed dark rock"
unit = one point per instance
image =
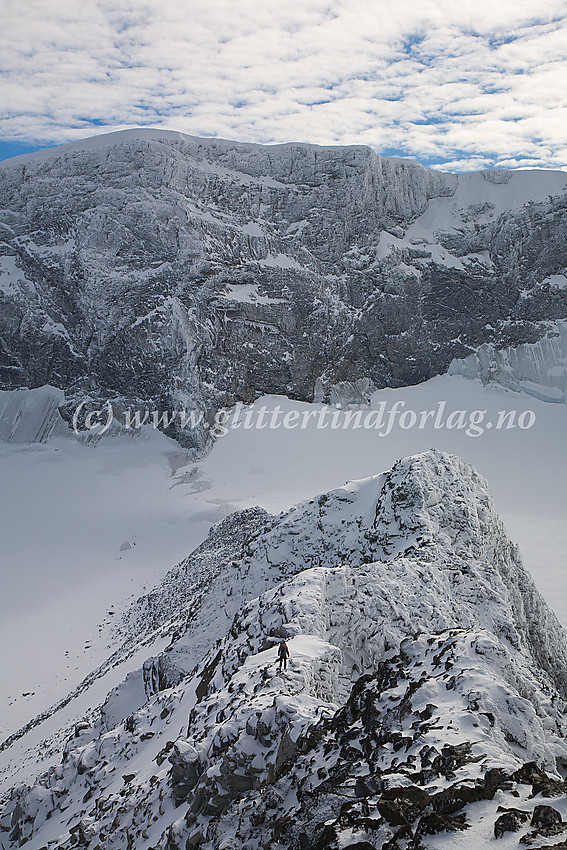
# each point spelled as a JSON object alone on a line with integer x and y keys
{"x": 324, "y": 837}
{"x": 163, "y": 753}
{"x": 510, "y": 821}
{"x": 186, "y": 769}
{"x": 408, "y": 796}
{"x": 361, "y": 789}
{"x": 454, "y": 798}
{"x": 434, "y": 822}
{"x": 206, "y": 677}
{"x": 546, "y": 816}
{"x": 496, "y": 778}
{"x": 395, "y": 812}
{"x": 286, "y": 751}
{"x": 195, "y": 839}
{"x": 531, "y": 774}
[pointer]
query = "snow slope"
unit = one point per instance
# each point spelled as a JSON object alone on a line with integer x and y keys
{"x": 84, "y": 529}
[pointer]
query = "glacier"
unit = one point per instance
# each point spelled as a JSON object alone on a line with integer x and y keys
{"x": 538, "y": 369}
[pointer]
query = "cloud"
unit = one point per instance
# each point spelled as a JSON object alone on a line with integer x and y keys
{"x": 461, "y": 84}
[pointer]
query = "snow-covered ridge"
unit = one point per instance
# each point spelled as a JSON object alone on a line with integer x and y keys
{"x": 94, "y": 143}
{"x": 108, "y": 140}
{"x": 407, "y": 579}
{"x": 104, "y": 141}
{"x": 432, "y": 504}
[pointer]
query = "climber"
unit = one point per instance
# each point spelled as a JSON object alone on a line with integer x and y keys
{"x": 283, "y": 655}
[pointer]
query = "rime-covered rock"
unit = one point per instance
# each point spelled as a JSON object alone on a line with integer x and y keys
{"x": 156, "y": 269}
{"x": 426, "y": 675}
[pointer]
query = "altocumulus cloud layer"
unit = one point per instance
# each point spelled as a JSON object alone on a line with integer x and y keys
{"x": 457, "y": 84}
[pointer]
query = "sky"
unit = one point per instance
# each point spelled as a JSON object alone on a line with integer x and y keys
{"x": 456, "y": 85}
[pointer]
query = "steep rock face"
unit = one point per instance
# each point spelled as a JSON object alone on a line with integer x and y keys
{"x": 155, "y": 268}
{"x": 404, "y": 584}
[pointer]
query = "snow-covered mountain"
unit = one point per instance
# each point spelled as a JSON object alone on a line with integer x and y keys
{"x": 424, "y": 703}
{"x": 425, "y": 692}
{"x": 154, "y": 268}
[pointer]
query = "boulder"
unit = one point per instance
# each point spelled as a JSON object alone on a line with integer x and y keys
{"x": 510, "y": 821}
{"x": 546, "y": 816}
